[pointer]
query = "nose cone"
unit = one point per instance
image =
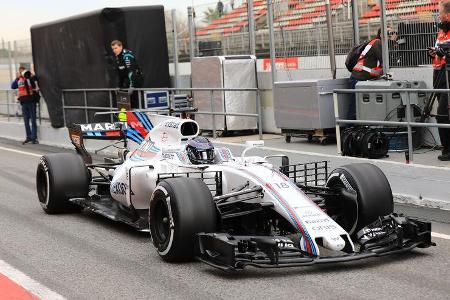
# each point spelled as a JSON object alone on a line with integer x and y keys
{"x": 335, "y": 243}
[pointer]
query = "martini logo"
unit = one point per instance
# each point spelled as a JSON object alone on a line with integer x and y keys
{"x": 98, "y": 127}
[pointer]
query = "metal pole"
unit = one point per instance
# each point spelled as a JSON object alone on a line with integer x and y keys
{"x": 110, "y": 105}
{"x": 251, "y": 27}
{"x": 258, "y": 106}
{"x": 11, "y": 76}
{"x": 140, "y": 100}
{"x": 15, "y": 56}
{"x": 355, "y": 16}
{"x": 191, "y": 34}
{"x": 338, "y": 128}
{"x": 63, "y": 108}
{"x": 384, "y": 38}
{"x": 271, "y": 40}
{"x": 7, "y": 103}
{"x": 213, "y": 116}
{"x": 86, "y": 105}
{"x": 331, "y": 50}
{"x": 175, "y": 46}
{"x": 408, "y": 121}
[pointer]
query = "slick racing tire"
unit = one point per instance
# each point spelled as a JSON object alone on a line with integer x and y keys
{"x": 373, "y": 196}
{"x": 179, "y": 209}
{"x": 59, "y": 177}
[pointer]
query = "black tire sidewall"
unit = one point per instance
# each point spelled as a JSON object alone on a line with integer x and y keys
{"x": 193, "y": 211}
{"x": 374, "y": 194}
{"x": 67, "y": 177}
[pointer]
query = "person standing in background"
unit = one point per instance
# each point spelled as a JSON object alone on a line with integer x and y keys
{"x": 28, "y": 96}
{"x": 438, "y": 54}
{"x": 130, "y": 74}
{"x": 369, "y": 66}
{"x": 220, "y": 8}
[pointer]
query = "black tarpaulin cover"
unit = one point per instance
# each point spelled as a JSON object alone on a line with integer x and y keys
{"x": 75, "y": 53}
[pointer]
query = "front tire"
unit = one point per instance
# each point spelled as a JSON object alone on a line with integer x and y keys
{"x": 373, "y": 196}
{"x": 59, "y": 177}
{"x": 179, "y": 209}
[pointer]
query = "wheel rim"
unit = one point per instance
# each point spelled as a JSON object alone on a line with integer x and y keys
{"x": 161, "y": 223}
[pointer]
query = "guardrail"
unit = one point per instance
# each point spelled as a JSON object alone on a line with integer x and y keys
{"x": 9, "y": 107}
{"x": 409, "y": 124}
{"x": 172, "y": 92}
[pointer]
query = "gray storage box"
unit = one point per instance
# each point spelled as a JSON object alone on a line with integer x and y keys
{"x": 308, "y": 104}
{"x": 225, "y": 72}
{"x": 384, "y": 107}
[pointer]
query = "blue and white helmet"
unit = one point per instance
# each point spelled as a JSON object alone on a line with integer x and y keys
{"x": 200, "y": 151}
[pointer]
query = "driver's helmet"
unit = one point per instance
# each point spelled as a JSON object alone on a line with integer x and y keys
{"x": 200, "y": 150}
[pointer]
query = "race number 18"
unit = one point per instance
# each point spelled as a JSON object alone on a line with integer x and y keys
{"x": 282, "y": 185}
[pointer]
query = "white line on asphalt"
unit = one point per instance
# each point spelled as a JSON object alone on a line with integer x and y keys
{"x": 27, "y": 283}
{"x": 336, "y": 156}
{"x": 21, "y": 152}
{"x": 440, "y": 235}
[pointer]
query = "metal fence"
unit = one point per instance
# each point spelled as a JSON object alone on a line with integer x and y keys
{"x": 301, "y": 31}
{"x": 415, "y": 21}
{"x": 11, "y": 109}
{"x": 89, "y": 113}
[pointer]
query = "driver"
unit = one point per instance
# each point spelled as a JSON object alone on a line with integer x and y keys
{"x": 200, "y": 151}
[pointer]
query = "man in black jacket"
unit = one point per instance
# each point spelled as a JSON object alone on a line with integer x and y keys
{"x": 130, "y": 75}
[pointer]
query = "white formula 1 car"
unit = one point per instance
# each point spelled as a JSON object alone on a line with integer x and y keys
{"x": 230, "y": 212}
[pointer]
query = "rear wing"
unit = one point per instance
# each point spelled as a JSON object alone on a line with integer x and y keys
{"x": 136, "y": 128}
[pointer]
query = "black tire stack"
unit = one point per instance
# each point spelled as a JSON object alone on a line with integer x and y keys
{"x": 364, "y": 142}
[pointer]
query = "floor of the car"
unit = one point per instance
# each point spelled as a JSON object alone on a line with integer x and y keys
{"x": 113, "y": 210}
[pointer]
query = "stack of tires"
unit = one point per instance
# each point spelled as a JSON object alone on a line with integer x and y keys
{"x": 364, "y": 141}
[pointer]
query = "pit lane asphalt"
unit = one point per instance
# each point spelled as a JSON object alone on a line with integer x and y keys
{"x": 84, "y": 256}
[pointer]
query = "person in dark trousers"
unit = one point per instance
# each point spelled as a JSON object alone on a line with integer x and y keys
{"x": 439, "y": 78}
{"x": 27, "y": 87}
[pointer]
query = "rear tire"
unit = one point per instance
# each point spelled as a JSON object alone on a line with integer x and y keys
{"x": 59, "y": 177}
{"x": 374, "y": 195}
{"x": 179, "y": 209}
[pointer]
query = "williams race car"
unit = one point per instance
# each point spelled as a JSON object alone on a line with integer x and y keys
{"x": 200, "y": 201}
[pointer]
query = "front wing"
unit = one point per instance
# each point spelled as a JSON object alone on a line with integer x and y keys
{"x": 389, "y": 235}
